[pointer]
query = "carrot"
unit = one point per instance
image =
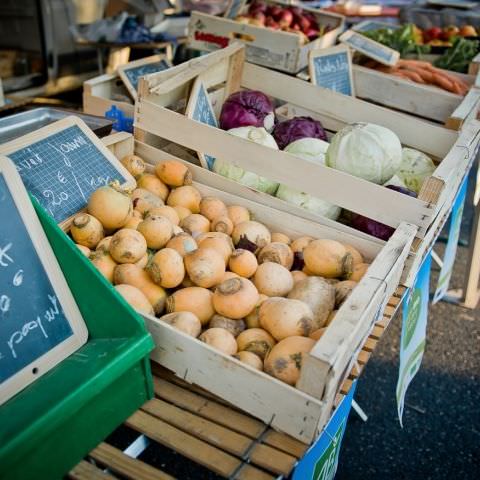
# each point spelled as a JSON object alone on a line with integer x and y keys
{"x": 426, "y": 75}
{"x": 443, "y": 82}
{"x": 415, "y": 63}
{"x": 415, "y": 77}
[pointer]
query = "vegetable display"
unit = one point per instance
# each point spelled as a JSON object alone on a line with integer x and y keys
{"x": 365, "y": 150}
{"x": 424, "y": 73}
{"x": 238, "y": 292}
{"x": 285, "y": 18}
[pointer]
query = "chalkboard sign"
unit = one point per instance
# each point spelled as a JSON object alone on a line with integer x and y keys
{"x": 370, "y": 48}
{"x": 234, "y": 8}
{"x": 369, "y": 25}
{"x": 40, "y": 322}
{"x": 62, "y": 164}
{"x": 200, "y": 109}
{"x": 131, "y": 72}
{"x": 332, "y": 68}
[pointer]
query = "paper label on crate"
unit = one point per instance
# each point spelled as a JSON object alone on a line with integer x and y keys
{"x": 451, "y": 248}
{"x": 414, "y": 326}
{"x": 332, "y": 68}
{"x": 321, "y": 460}
{"x": 234, "y": 8}
{"x": 370, "y": 48}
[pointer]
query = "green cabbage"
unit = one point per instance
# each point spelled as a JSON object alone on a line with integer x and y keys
{"x": 249, "y": 179}
{"x": 415, "y": 168}
{"x": 238, "y": 174}
{"x": 311, "y": 149}
{"x": 365, "y": 150}
{"x": 306, "y": 201}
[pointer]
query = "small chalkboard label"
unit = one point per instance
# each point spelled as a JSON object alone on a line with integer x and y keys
{"x": 40, "y": 323}
{"x": 369, "y": 25}
{"x": 200, "y": 109}
{"x": 234, "y": 8}
{"x": 370, "y": 48}
{"x": 62, "y": 164}
{"x": 332, "y": 68}
{"x": 131, "y": 72}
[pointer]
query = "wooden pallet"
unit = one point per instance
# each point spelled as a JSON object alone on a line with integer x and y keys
{"x": 209, "y": 431}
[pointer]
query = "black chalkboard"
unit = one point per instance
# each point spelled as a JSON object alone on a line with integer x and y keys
{"x": 133, "y": 74}
{"x": 200, "y": 109}
{"x": 32, "y": 320}
{"x": 62, "y": 169}
{"x": 332, "y": 68}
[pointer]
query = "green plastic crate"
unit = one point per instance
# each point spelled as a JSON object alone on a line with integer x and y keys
{"x": 50, "y": 426}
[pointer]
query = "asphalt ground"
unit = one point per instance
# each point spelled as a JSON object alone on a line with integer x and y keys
{"x": 440, "y": 438}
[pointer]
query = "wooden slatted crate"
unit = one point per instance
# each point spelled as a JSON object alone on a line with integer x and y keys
{"x": 210, "y": 432}
{"x": 425, "y": 101}
{"x": 264, "y": 46}
{"x": 225, "y": 71}
{"x": 301, "y": 412}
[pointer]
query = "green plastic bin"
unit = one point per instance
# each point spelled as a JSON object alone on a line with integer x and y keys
{"x": 50, "y": 426}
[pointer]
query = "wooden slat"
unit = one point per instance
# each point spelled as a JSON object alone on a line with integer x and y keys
{"x": 285, "y": 443}
{"x": 87, "y": 471}
{"x": 128, "y": 467}
{"x": 187, "y": 445}
{"x": 199, "y": 427}
{"x": 370, "y": 344}
{"x": 272, "y": 460}
{"x": 208, "y": 409}
{"x": 363, "y": 357}
{"x": 247, "y": 472}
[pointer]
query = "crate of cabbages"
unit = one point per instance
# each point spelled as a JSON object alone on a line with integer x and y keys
{"x": 330, "y": 158}
{"x": 276, "y": 35}
{"x": 264, "y": 309}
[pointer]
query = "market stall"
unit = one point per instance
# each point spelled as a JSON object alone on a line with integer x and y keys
{"x": 221, "y": 268}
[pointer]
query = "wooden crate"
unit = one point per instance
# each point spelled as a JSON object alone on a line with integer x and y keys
{"x": 210, "y": 432}
{"x": 264, "y": 46}
{"x": 304, "y": 411}
{"x": 103, "y": 92}
{"x": 424, "y": 101}
{"x": 225, "y": 71}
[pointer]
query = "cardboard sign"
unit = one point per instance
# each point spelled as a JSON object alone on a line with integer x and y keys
{"x": 234, "y": 8}
{"x": 131, "y": 72}
{"x": 451, "y": 248}
{"x": 62, "y": 164}
{"x": 332, "y": 68}
{"x": 370, "y": 48}
{"x": 414, "y": 326}
{"x": 200, "y": 109}
{"x": 40, "y": 322}
{"x": 321, "y": 460}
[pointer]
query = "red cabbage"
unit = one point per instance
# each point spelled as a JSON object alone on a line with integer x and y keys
{"x": 299, "y": 127}
{"x": 374, "y": 228}
{"x": 245, "y": 109}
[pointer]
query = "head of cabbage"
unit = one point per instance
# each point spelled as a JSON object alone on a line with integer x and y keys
{"x": 311, "y": 149}
{"x": 238, "y": 174}
{"x": 415, "y": 168}
{"x": 308, "y": 202}
{"x": 366, "y": 150}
